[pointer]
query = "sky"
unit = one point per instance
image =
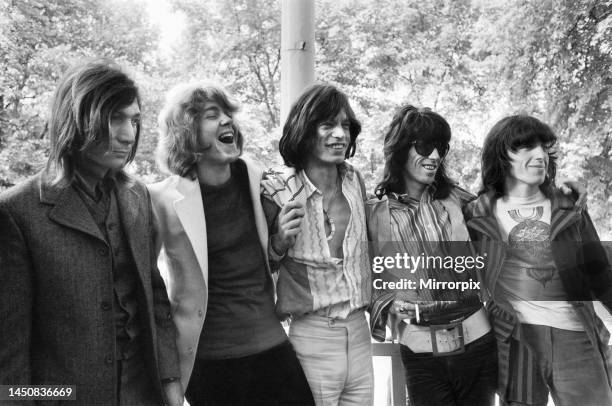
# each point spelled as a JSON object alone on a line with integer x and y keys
{"x": 169, "y": 22}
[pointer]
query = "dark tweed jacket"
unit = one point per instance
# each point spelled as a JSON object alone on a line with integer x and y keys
{"x": 582, "y": 263}
{"x": 56, "y": 292}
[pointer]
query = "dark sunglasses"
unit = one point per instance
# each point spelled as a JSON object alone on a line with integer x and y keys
{"x": 425, "y": 148}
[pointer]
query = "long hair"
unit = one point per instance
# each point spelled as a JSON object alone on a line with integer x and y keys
{"x": 411, "y": 124}
{"x": 179, "y": 125}
{"x": 510, "y": 134}
{"x": 81, "y": 109}
{"x": 317, "y": 104}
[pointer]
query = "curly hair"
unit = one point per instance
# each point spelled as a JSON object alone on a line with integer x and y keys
{"x": 179, "y": 125}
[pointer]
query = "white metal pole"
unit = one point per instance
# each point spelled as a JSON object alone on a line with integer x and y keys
{"x": 297, "y": 50}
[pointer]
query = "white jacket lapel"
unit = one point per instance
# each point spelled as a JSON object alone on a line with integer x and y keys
{"x": 190, "y": 212}
{"x": 255, "y": 173}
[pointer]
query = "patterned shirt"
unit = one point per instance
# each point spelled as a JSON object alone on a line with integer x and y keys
{"x": 424, "y": 228}
{"x": 310, "y": 279}
{"x": 420, "y": 228}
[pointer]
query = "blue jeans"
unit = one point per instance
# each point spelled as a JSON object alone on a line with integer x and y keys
{"x": 468, "y": 379}
{"x": 566, "y": 364}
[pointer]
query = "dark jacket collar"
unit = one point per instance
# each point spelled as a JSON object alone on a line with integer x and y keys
{"x": 480, "y": 214}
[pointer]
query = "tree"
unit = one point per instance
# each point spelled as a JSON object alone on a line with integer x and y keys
{"x": 236, "y": 43}
{"x": 473, "y": 61}
{"x": 39, "y": 39}
{"x": 553, "y": 58}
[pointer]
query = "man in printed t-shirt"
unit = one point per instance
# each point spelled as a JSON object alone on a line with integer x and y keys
{"x": 545, "y": 263}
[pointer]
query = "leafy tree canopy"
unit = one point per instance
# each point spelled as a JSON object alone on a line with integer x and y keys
{"x": 473, "y": 61}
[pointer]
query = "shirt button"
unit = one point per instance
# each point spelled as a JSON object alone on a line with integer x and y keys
{"x": 103, "y": 252}
{"x": 109, "y": 360}
{"x": 200, "y": 313}
{"x": 169, "y": 316}
{"x": 105, "y": 306}
{"x": 190, "y": 350}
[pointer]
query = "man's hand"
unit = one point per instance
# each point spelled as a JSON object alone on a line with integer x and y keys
{"x": 288, "y": 225}
{"x": 572, "y": 186}
{"x": 173, "y": 393}
{"x": 403, "y": 309}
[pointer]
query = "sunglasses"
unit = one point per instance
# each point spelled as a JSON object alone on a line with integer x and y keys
{"x": 425, "y": 148}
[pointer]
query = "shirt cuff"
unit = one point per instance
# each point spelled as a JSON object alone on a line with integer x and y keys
{"x": 273, "y": 255}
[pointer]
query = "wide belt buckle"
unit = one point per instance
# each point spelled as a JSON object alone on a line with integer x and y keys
{"x": 447, "y": 339}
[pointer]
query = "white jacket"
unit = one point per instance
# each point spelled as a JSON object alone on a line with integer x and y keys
{"x": 183, "y": 254}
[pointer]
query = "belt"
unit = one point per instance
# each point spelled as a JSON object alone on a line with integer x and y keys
{"x": 446, "y": 339}
{"x": 327, "y": 311}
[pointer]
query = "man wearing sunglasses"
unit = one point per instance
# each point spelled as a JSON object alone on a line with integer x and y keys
{"x": 446, "y": 343}
{"x": 427, "y": 147}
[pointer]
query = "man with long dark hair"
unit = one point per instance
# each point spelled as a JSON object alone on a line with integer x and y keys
{"x": 545, "y": 264}
{"x": 81, "y": 300}
{"x": 320, "y": 241}
{"x": 446, "y": 343}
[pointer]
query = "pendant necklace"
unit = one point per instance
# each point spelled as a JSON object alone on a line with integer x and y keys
{"x": 329, "y": 219}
